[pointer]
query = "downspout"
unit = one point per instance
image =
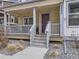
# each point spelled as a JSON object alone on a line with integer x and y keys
{"x": 64, "y": 13}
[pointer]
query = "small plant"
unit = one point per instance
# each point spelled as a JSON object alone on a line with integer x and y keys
{"x": 56, "y": 46}
{"x": 54, "y": 54}
{"x": 22, "y": 43}
{"x": 75, "y": 37}
{"x": 13, "y": 48}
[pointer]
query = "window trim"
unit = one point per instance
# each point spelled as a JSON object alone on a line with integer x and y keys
{"x": 70, "y": 13}
{"x": 24, "y": 21}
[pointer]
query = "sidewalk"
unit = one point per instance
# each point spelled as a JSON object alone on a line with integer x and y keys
{"x": 28, "y": 53}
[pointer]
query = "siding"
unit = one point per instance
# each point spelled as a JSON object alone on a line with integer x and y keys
{"x": 68, "y": 31}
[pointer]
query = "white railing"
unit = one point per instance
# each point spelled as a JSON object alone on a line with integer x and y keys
{"x": 55, "y": 27}
{"x": 19, "y": 1}
{"x": 32, "y": 33}
{"x": 48, "y": 32}
{"x": 18, "y": 29}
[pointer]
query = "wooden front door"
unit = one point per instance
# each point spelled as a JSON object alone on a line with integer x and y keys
{"x": 45, "y": 19}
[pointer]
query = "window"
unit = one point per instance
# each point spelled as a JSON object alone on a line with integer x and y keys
{"x": 1, "y": 20}
{"x": 0, "y": 4}
{"x": 73, "y": 13}
{"x": 11, "y": 19}
{"x": 28, "y": 21}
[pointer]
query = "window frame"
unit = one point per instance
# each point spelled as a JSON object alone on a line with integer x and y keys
{"x": 27, "y": 20}
{"x": 68, "y": 14}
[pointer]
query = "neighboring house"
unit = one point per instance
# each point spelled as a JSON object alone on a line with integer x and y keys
{"x": 32, "y": 20}
{"x": 3, "y": 3}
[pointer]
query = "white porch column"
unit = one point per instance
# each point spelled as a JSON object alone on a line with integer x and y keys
{"x": 34, "y": 16}
{"x": 5, "y": 22}
{"x": 65, "y": 9}
{"x": 61, "y": 19}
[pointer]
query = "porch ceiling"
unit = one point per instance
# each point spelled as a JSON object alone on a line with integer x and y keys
{"x": 29, "y": 10}
{"x": 21, "y": 12}
{"x": 31, "y": 5}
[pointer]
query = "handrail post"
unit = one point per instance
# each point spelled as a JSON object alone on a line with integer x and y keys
{"x": 33, "y": 28}
{"x": 32, "y": 33}
{"x": 48, "y": 32}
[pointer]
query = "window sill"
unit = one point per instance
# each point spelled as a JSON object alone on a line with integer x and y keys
{"x": 69, "y": 26}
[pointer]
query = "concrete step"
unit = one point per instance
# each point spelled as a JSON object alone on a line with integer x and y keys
{"x": 36, "y": 41}
{"x": 40, "y": 35}
{"x": 38, "y": 44}
{"x": 60, "y": 39}
{"x": 56, "y": 36}
{"x": 39, "y": 40}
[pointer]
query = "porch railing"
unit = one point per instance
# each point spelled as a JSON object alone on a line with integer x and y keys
{"x": 48, "y": 32}
{"x": 18, "y": 29}
{"x": 55, "y": 29}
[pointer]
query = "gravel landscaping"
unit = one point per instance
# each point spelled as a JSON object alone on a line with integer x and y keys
{"x": 13, "y": 47}
{"x": 56, "y": 51}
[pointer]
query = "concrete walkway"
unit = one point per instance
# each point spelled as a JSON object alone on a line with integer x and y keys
{"x": 28, "y": 53}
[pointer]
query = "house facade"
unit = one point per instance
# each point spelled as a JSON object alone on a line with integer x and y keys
{"x": 46, "y": 19}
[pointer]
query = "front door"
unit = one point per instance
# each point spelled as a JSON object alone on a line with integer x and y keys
{"x": 45, "y": 19}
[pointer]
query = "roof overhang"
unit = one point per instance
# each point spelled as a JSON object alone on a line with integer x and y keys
{"x": 31, "y": 5}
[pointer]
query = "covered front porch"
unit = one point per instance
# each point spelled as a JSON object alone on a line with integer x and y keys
{"x": 19, "y": 22}
{"x": 40, "y": 21}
